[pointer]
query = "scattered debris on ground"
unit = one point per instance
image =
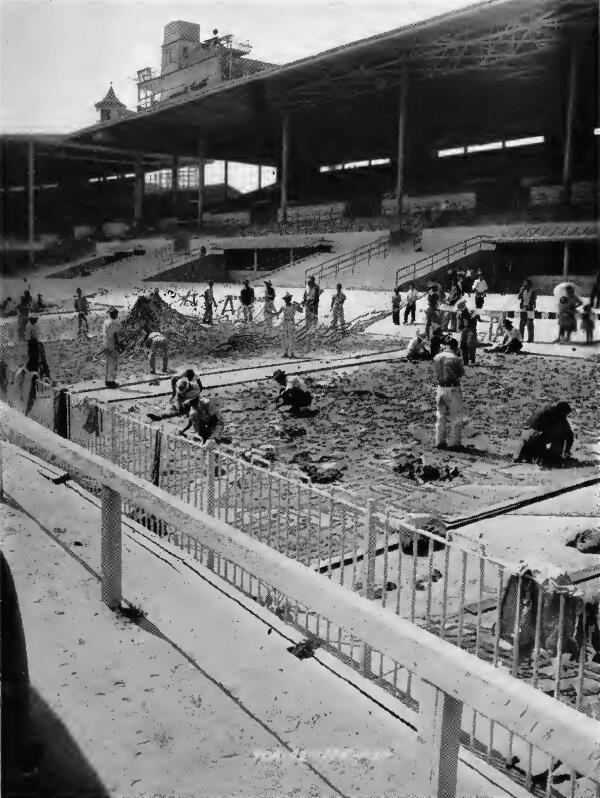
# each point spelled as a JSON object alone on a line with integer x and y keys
{"x": 421, "y": 469}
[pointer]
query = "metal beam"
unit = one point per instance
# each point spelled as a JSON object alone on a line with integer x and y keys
{"x": 283, "y": 179}
{"x": 138, "y": 193}
{"x": 568, "y": 146}
{"x": 401, "y": 139}
{"x": 201, "y": 164}
{"x": 30, "y": 199}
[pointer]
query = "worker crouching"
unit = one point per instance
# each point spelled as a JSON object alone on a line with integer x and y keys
{"x": 293, "y": 393}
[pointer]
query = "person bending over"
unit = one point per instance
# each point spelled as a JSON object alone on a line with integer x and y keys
{"x": 417, "y": 349}
{"x": 548, "y": 437}
{"x": 292, "y": 393}
{"x": 187, "y": 392}
{"x": 511, "y": 344}
{"x": 205, "y": 420}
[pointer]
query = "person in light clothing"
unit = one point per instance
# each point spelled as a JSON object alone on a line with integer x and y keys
{"x": 448, "y": 371}
{"x": 411, "y": 304}
{"x": 112, "y": 346}
{"x": 480, "y": 287}
{"x": 158, "y": 345}
{"x": 417, "y": 349}
{"x": 288, "y": 327}
{"x": 337, "y": 308}
{"x": 205, "y": 419}
{"x": 512, "y": 342}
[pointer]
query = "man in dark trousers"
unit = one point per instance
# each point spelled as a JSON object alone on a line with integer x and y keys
{"x": 209, "y": 304}
{"x": 431, "y": 314}
{"x": 411, "y": 304}
{"x": 467, "y": 324}
{"x": 247, "y": 300}
{"x": 548, "y": 437}
{"x": 311, "y": 299}
{"x": 396, "y": 302}
{"x": 527, "y": 301}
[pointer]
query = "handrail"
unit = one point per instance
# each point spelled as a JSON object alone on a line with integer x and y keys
{"x": 451, "y": 677}
{"x": 442, "y": 257}
{"x": 343, "y": 261}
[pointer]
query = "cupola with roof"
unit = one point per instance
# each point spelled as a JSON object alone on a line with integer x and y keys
{"x": 111, "y": 107}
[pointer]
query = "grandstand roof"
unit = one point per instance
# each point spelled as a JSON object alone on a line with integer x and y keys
{"x": 493, "y": 69}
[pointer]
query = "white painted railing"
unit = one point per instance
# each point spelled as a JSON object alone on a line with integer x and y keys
{"x": 450, "y": 679}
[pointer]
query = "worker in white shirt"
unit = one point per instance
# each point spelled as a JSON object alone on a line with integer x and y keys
{"x": 112, "y": 346}
{"x": 288, "y": 327}
{"x": 411, "y": 304}
{"x": 158, "y": 345}
{"x": 337, "y": 308}
{"x": 293, "y": 393}
{"x": 417, "y": 349}
{"x": 448, "y": 370}
{"x": 480, "y": 288}
{"x": 512, "y": 343}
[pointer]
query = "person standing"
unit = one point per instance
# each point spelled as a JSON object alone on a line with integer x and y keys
{"x": 588, "y": 323}
{"x": 22, "y": 318}
{"x": 480, "y": 287}
{"x": 411, "y": 304}
{"x": 82, "y": 308}
{"x": 269, "y": 303}
{"x": 431, "y": 314}
{"x": 567, "y": 319}
{"x": 595, "y": 292}
{"x": 467, "y": 282}
{"x": 247, "y": 300}
{"x": 112, "y": 345}
{"x": 209, "y": 304}
{"x": 311, "y": 302}
{"x": 288, "y": 327}
{"x": 337, "y": 309}
{"x": 527, "y": 301}
{"x": 396, "y": 302}
{"x": 467, "y": 324}
{"x": 448, "y": 371}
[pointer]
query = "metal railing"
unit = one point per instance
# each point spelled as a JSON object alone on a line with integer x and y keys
{"x": 438, "y": 579}
{"x": 349, "y": 260}
{"x": 459, "y": 698}
{"x": 443, "y": 257}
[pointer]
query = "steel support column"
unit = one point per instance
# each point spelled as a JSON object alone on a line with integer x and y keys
{"x": 401, "y": 139}
{"x": 226, "y": 178}
{"x": 175, "y": 185}
{"x": 283, "y": 178}
{"x": 568, "y": 146}
{"x": 138, "y": 193}
{"x": 566, "y": 258}
{"x": 259, "y": 178}
{"x": 31, "y": 200}
{"x": 201, "y": 166}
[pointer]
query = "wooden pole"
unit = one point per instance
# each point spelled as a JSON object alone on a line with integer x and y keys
{"x": 283, "y": 178}
{"x": 111, "y": 548}
{"x": 440, "y": 718}
{"x": 401, "y": 139}
{"x": 31, "y": 200}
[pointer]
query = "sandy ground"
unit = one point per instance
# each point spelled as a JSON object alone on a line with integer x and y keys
{"x": 365, "y": 433}
{"x": 187, "y": 703}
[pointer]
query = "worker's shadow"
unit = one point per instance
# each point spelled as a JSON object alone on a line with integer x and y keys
{"x": 62, "y": 768}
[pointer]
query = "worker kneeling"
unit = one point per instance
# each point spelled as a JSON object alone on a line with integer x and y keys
{"x": 187, "y": 392}
{"x": 205, "y": 420}
{"x": 548, "y": 437}
{"x": 293, "y": 393}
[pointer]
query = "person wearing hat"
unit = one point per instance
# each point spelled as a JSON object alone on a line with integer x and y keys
{"x": 288, "y": 327}
{"x": 209, "y": 304}
{"x": 467, "y": 324}
{"x": 311, "y": 302}
{"x": 205, "y": 419}
{"x": 448, "y": 371}
{"x": 110, "y": 333}
{"x": 186, "y": 392}
{"x": 337, "y": 309}
{"x": 548, "y": 437}
{"x": 270, "y": 311}
{"x": 293, "y": 393}
{"x": 247, "y": 300}
{"x": 480, "y": 287}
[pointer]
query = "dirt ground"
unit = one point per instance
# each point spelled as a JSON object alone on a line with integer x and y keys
{"x": 369, "y": 418}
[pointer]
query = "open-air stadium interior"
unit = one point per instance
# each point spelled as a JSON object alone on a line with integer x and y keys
{"x": 470, "y": 140}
